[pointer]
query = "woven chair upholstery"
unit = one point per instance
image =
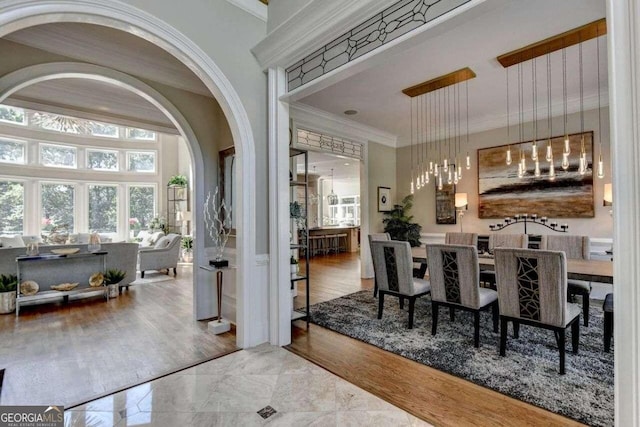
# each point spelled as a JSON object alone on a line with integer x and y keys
{"x": 461, "y": 239}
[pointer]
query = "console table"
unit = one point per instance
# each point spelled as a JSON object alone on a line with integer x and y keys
{"x": 52, "y": 269}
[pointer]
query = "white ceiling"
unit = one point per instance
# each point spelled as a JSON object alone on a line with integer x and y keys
{"x": 323, "y": 164}
{"x": 376, "y": 92}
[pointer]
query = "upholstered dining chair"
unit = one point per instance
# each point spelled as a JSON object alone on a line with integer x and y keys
{"x": 499, "y": 240}
{"x": 393, "y": 264}
{"x": 575, "y": 247}
{"x": 532, "y": 290}
{"x": 454, "y": 278}
{"x": 461, "y": 239}
{"x": 376, "y": 237}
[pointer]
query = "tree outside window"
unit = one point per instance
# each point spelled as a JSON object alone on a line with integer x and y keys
{"x": 102, "y": 160}
{"x": 12, "y": 151}
{"x": 103, "y": 208}
{"x": 58, "y": 155}
{"x": 141, "y": 161}
{"x": 11, "y": 207}
{"x": 12, "y": 114}
{"x": 57, "y": 202}
{"x": 142, "y": 206}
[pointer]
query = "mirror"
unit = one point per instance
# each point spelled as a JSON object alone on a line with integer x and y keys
{"x": 227, "y": 159}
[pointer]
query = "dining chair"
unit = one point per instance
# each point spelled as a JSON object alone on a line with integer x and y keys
{"x": 393, "y": 264}
{"x": 374, "y": 238}
{"x": 499, "y": 240}
{"x": 454, "y": 276}
{"x": 607, "y": 308}
{"x": 575, "y": 247}
{"x": 461, "y": 239}
{"x": 532, "y": 290}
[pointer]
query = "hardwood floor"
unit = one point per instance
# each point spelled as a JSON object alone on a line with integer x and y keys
{"x": 427, "y": 393}
{"x": 68, "y": 354}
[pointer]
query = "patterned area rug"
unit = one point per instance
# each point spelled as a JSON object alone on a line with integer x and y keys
{"x": 528, "y": 372}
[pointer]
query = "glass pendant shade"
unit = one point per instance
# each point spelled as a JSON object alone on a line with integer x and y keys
{"x": 534, "y": 152}
{"x": 411, "y": 186}
{"x": 426, "y": 180}
{"x": 537, "y": 169}
{"x": 565, "y": 161}
{"x": 332, "y": 198}
{"x": 508, "y": 156}
{"x": 436, "y": 171}
{"x": 600, "y": 167}
{"x": 520, "y": 170}
{"x": 523, "y": 163}
{"x": 549, "y": 152}
{"x": 567, "y": 145}
{"x": 552, "y": 171}
{"x": 445, "y": 167}
{"x": 468, "y": 165}
{"x": 431, "y": 167}
{"x": 583, "y": 165}
{"x": 450, "y": 177}
{"x": 439, "y": 182}
{"x": 459, "y": 172}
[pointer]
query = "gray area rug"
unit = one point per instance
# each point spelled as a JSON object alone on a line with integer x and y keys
{"x": 528, "y": 372}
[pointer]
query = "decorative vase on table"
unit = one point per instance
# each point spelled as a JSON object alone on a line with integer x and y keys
{"x": 94, "y": 243}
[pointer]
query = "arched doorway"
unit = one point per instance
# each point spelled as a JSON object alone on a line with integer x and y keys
{"x": 20, "y": 14}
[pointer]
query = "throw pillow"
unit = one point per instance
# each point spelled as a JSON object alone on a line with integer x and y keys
{"x": 162, "y": 242}
{"x": 12, "y": 242}
{"x": 155, "y": 236}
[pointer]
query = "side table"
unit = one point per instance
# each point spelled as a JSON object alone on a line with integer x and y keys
{"x": 220, "y": 325}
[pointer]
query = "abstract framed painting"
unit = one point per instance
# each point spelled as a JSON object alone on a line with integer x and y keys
{"x": 568, "y": 194}
{"x": 446, "y": 204}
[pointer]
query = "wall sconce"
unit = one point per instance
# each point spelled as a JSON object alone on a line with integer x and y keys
{"x": 608, "y": 195}
{"x": 462, "y": 205}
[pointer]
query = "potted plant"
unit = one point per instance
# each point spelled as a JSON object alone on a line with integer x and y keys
{"x": 112, "y": 278}
{"x": 398, "y": 223}
{"x": 294, "y": 265}
{"x": 187, "y": 248}
{"x": 8, "y": 285}
{"x": 177, "y": 181}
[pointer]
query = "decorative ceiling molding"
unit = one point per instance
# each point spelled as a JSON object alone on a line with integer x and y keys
{"x": 568, "y": 38}
{"x": 307, "y": 117}
{"x": 256, "y": 8}
{"x": 440, "y": 82}
{"x": 380, "y": 29}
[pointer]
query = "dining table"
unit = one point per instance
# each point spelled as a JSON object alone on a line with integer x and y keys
{"x": 577, "y": 269}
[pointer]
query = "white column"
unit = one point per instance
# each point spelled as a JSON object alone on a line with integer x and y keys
{"x": 623, "y": 38}
{"x": 280, "y": 303}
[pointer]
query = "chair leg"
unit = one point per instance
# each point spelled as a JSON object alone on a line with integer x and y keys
{"x": 561, "y": 340}
{"x": 412, "y": 303}
{"x": 452, "y": 314}
{"x": 575, "y": 335}
{"x": 142, "y": 274}
{"x": 175, "y": 271}
{"x": 503, "y": 336}
{"x": 380, "y": 304}
{"x": 476, "y": 329}
{"x": 375, "y": 287}
{"x": 516, "y": 329}
{"x": 435, "y": 307}
{"x": 608, "y": 330}
{"x": 585, "y": 308}
{"x": 401, "y": 303}
{"x": 495, "y": 311}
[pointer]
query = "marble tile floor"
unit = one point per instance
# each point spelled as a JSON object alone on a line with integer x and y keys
{"x": 231, "y": 390}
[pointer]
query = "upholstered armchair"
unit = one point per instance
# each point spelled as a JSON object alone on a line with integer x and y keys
{"x": 454, "y": 275}
{"x": 461, "y": 239}
{"x": 164, "y": 254}
{"x": 532, "y": 290}
{"x": 574, "y": 247}
{"x": 374, "y": 238}
{"x": 393, "y": 264}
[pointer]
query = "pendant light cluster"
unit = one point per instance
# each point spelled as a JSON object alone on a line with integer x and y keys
{"x": 439, "y": 109}
{"x": 545, "y": 168}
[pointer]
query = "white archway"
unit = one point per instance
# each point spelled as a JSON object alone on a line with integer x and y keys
{"x": 19, "y": 14}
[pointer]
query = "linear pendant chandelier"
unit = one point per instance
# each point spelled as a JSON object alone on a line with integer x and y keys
{"x": 436, "y": 137}
{"x": 545, "y": 48}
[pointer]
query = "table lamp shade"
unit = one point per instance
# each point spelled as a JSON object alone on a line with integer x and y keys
{"x": 461, "y": 200}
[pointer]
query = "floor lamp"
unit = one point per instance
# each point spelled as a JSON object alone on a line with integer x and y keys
{"x": 461, "y": 206}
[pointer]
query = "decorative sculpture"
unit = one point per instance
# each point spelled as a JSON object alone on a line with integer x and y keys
{"x": 216, "y": 215}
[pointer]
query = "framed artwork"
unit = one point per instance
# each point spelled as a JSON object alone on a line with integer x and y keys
{"x": 502, "y": 193}
{"x": 446, "y": 204}
{"x": 384, "y": 199}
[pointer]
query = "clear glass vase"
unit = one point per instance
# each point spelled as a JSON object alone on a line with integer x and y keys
{"x": 94, "y": 243}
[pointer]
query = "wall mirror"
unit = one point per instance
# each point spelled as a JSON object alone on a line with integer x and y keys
{"x": 227, "y": 159}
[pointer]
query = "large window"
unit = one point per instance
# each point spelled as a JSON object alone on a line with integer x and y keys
{"x": 60, "y": 156}
{"x": 57, "y": 203}
{"x": 142, "y": 206}
{"x": 12, "y": 115}
{"x": 102, "y": 160}
{"x": 103, "y": 208}
{"x": 12, "y": 151}
{"x": 11, "y": 207}
{"x": 141, "y": 161}
{"x": 141, "y": 134}
{"x": 103, "y": 129}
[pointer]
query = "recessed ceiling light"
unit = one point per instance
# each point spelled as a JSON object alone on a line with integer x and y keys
{"x": 351, "y": 112}
{"x": 346, "y": 164}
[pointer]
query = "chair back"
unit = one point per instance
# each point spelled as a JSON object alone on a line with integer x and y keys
{"x": 574, "y": 247}
{"x": 393, "y": 266}
{"x": 532, "y": 285}
{"x": 454, "y": 274}
{"x": 497, "y": 240}
{"x": 461, "y": 239}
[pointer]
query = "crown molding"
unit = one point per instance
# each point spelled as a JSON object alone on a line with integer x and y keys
{"x": 313, "y": 26}
{"x": 498, "y": 121}
{"x": 256, "y": 8}
{"x": 317, "y": 120}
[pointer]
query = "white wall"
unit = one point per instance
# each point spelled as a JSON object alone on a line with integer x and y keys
{"x": 281, "y": 10}
{"x": 424, "y": 208}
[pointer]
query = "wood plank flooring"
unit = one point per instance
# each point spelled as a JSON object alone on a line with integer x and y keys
{"x": 427, "y": 393}
{"x": 67, "y": 354}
